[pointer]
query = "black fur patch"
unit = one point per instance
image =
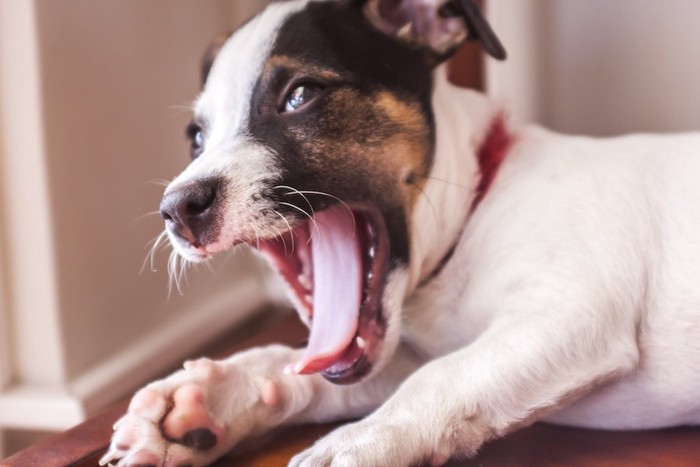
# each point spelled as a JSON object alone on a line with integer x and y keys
{"x": 337, "y": 143}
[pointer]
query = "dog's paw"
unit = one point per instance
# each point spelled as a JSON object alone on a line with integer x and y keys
{"x": 369, "y": 443}
{"x": 172, "y": 422}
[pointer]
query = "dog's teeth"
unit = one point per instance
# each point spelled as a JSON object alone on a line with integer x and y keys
{"x": 303, "y": 255}
{"x": 372, "y": 251}
{"x": 305, "y": 281}
{"x": 360, "y": 342}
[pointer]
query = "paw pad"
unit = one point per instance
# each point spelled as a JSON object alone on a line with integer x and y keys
{"x": 189, "y": 422}
{"x": 269, "y": 393}
{"x": 200, "y": 439}
{"x": 169, "y": 423}
{"x": 148, "y": 403}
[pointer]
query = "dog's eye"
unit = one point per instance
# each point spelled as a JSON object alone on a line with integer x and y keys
{"x": 196, "y": 136}
{"x": 300, "y": 96}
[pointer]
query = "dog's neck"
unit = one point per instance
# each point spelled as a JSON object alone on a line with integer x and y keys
{"x": 471, "y": 141}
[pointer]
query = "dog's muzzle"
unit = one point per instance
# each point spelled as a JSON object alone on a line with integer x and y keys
{"x": 190, "y": 211}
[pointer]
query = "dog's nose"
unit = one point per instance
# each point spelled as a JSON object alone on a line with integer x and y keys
{"x": 187, "y": 209}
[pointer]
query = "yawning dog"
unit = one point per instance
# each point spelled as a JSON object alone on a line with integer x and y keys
{"x": 461, "y": 278}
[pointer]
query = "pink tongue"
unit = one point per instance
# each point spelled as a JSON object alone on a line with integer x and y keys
{"x": 337, "y": 272}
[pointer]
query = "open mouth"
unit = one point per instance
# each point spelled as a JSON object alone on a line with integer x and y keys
{"x": 335, "y": 266}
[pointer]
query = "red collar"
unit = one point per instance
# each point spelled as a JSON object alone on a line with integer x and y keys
{"x": 490, "y": 156}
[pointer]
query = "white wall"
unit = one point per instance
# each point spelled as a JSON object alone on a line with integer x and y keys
{"x": 93, "y": 105}
{"x": 600, "y": 66}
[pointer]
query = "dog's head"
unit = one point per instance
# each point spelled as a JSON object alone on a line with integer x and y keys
{"x": 310, "y": 142}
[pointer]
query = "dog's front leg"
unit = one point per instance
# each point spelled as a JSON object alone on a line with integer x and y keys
{"x": 516, "y": 372}
{"x": 197, "y": 414}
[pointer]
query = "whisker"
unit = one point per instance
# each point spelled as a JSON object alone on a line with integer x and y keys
{"x": 309, "y": 192}
{"x": 172, "y": 278}
{"x": 143, "y": 216}
{"x": 306, "y": 214}
{"x": 176, "y": 275}
{"x": 153, "y": 246}
{"x": 182, "y": 107}
{"x": 159, "y": 181}
{"x": 257, "y": 236}
{"x": 291, "y": 233}
{"x": 294, "y": 190}
{"x": 430, "y": 203}
{"x": 279, "y": 234}
{"x": 181, "y": 272}
{"x": 443, "y": 181}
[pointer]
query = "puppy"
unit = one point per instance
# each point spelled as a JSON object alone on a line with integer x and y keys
{"x": 460, "y": 278}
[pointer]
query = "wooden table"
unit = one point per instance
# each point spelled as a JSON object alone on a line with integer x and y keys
{"x": 538, "y": 445}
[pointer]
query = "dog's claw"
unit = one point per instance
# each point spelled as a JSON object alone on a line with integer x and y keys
{"x": 107, "y": 458}
{"x": 116, "y": 424}
{"x": 189, "y": 419}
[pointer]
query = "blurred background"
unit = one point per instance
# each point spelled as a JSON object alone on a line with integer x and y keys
{"x": 94, "y": 99}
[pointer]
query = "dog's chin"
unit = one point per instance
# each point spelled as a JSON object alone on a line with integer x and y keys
{"x": 335, "y": 266}
{"x": 187, "y": 251}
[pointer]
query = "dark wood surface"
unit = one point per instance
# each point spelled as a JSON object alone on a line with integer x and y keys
{"x": 538, "y": 445}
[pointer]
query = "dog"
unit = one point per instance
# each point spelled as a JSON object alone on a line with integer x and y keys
{"x": 461, "y": 277}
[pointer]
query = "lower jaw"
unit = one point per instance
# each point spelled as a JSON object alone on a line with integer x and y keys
{"x": 187, "y": 251}
{"x": 359, "y": 367}
{"x": 357, "y": 360}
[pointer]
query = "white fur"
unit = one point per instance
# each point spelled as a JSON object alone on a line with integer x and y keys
{"x": 584, "y": 249}
{"x": 572, "y": 295}
{"x": 226, "y": 100}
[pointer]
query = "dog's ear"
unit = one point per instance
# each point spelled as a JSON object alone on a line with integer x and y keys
{"x": 440, "y": 25}
{"x": 211, "y": 53}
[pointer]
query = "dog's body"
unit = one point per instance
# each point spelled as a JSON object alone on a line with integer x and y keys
{"x": 610, "y": 225}
{"x": 506, "y": 276}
